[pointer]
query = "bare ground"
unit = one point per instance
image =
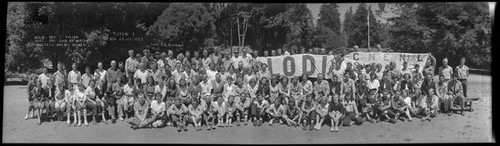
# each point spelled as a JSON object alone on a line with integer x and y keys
{"x": 475, "y": 126}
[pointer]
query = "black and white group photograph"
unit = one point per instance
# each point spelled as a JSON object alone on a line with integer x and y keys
{"x": 248, "y": 73}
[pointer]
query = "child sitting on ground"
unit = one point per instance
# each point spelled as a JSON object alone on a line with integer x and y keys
{"x": 322, "y": 110}
{"x": 308, "y": 112}
{"x": 292, "y": 114}
{"x": 335, "y": 111}
{"x": 276, "y": 111}
{"x": 242, "y": 108}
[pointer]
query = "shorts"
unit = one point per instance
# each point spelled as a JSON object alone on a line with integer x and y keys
{"x": 31, "y": 104}
{"x": 79, "y": 106}
{"x": 310, "y": 116}
{"x": 157, "y": 123}
{"x": 351, "y": 116}
{"x": 38, "y": 104}
{"x": 230, "y": 114}
{"x": 60, "y": 104}
{"x": 335, "y": 116}
{"x": 179, "y": 118}
{"x": 48, "y": 104}
{"x": 208, "y": 116}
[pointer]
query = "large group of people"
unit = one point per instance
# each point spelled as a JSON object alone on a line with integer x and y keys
{"x": 218, "y": 90}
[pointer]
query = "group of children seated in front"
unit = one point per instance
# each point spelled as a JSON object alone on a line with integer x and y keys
{"x": 206, "y": 94}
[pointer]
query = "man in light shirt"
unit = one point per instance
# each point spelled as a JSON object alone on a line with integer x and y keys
{"x": 405, "y": 69}
{"x": 74, "y": 76}
{"x": 171, "y": 60}
{"x": 446, "y": 70}
{"x": 142, "y": 74}
{"x": 60, "y": 75}
{"x": 236, "y": 58}
{"x": 111, "y": 74}
{"x": 86, "y": 77}
{"x": 462, "y": 74}
{"x": 162, "y": 61}
{"x": 131, "y": 64}
{"x": 211, "y": 73}
{"x": 45, "y": 80}
{"x": 145, "y": 58}
{"x": 100, "y": 74}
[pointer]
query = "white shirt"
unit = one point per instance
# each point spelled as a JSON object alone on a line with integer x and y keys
{"x": 206, "y": 88}
{"x": 74, "y": 76}
{"x": 163, "y": 90}
{"x": 161, "y": 64}
{"x": 141, "y": 75}
{"x": 157, "y": 108}
{"x": 211, "y": 75}
{"x": 45, "y": 80}
{"x": 128, "y": 90}
{"x": 68, "y": 96}
{"x": 101, "y": 74}
{"x": 235, "y": 61}
{"x": 372, "y": 84}
{"x": 80, "y": 96}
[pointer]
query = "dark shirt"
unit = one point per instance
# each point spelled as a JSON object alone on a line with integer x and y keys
{"x": 336, "y": 107}
{"x": 428, "y": 85}
{"x": 335, "y": 87}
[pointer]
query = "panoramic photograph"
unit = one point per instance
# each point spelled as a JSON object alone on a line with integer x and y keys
{"x": 248, "y": 73}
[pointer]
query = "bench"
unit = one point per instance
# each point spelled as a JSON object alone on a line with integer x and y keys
{"x": 468, "y": 103}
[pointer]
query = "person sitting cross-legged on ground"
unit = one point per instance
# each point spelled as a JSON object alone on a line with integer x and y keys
{"x": 276, "y": 111}
{"x": 196, "y": 112}
{"x": 158, "y": 109}
{"x": 308, "y": 112}
{"x": 178, "y": 114}
{"x": 292, "y": 114}
{"x": 220, "y": 107}
{"x": 141, "y": 109}
{"x": 230, "y": 110}
{"x": 209, "y": 112}
{"x": 336, "y": 111}
{"x": 155, "y": 119}
{"x": 386, "y": 107}
{"x": 352, "y": 114}
{"x": 400, "y": 107}
{"x": 428, "y": 105}
{"x": 322, "y": 110}
{"x": 372, "y": 104}
{"x": 242, "y": 108}
{"x": 258, "y": 109}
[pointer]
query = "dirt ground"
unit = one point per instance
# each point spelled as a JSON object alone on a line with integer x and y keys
{"x": 475, "y": 126}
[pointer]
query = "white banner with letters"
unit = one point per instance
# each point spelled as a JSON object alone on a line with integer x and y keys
{"x": 312, "y": 65}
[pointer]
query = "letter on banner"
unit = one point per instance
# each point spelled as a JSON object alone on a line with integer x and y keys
{"x": 354, "y": 56}
{"x": 371, "y": 57}
{"x": 292, "y": 64}
{"x": 385, "y": 57}
{"x": 270, "y": 65}
{"x": 306, "y": 58}
{"x": 323, "y": 66}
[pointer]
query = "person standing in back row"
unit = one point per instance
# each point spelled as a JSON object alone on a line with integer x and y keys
{"x": 462, "y": 74}
{"x": 446, "y": 70}
{"x": 131, "y": 64}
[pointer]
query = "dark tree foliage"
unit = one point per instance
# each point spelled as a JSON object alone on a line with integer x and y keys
{"x": 450, "y": 30}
